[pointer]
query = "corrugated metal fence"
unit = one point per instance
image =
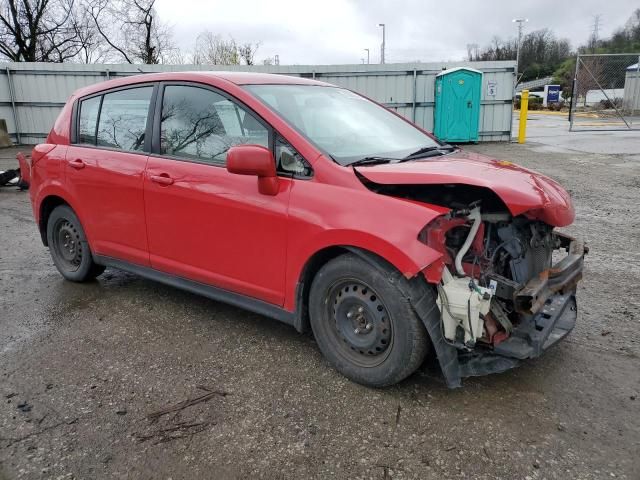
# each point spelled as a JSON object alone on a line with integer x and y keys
{"x": 32, "y": 94}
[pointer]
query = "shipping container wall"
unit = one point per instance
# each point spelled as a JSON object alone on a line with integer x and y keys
{"x": 32, "y": 94}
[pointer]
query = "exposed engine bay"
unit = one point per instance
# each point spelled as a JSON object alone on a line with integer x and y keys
{"x": 488, "y": 258}
{"x": 498, "y": 290}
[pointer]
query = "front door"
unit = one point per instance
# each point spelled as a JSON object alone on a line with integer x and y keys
{"x": 203, "y": 222}
{"x": 104, "y": 172}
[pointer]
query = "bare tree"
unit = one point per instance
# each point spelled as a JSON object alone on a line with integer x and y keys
{"x": 38, "y": 31}
{"x": 132, "y": 29}
{"x": 247, "y": 52}
{"x": 176, "y": 56}
{"x": 91, "y": 47}
{"x": 211, "y": 49}
{"x": 541, "y": 53}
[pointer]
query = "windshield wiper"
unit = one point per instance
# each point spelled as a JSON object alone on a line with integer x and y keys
{"x": 425, "y": 152}
{"x": 372, "y": 161}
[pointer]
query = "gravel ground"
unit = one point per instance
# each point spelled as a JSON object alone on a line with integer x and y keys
{"x": 82, "y": 367}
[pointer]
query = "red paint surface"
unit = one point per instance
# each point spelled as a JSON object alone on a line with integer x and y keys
{"x": 522, "y": 190}
{"x": 208, "y": 224}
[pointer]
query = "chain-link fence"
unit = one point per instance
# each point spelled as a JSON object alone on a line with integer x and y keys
{"x": 606, "y": 92}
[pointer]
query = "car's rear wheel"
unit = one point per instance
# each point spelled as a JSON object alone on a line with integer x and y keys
{"x": 363, "y": 324}
{"x": 69, "y": 247}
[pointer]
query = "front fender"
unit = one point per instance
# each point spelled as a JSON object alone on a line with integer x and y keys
{"x": 409, "y": 256}
{"x": 324, "y": 216}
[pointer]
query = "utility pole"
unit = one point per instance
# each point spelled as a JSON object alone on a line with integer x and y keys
{"x": 520, "y": 22}
{"x": 472, "y": 49}
{"x": 383, "y": 43}
{"x": 595, "y": 31}
{"x": 367, "y": 50}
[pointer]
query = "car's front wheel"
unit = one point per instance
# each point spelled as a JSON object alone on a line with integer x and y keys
{"x": 363, "y": 324}
{"x": 69, "y": 247}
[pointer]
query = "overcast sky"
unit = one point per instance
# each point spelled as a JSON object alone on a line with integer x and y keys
{"x": 338, "y": 31}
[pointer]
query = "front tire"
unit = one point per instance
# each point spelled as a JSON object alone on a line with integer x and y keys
{"x": 69, "y": 246}
{"x": 363, "y": 324}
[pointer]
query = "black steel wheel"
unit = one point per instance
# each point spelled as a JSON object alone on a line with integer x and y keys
{"x": 69, "y": 247}
{"x": 67, "y": 244}
{"x": 363, "y": 324}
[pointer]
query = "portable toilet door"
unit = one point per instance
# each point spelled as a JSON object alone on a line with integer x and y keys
{"x": 457, "y": 105}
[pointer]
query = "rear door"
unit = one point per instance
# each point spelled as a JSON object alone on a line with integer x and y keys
{"x": 105, "y": 167}
{"x": 203, "y": 222}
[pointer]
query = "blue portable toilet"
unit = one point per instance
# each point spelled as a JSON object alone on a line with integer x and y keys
{"x": 457, "y": 105}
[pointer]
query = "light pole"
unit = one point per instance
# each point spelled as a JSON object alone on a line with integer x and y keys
{"x": 520, "y": 22}
{"x": 382, "y": 46}
{"x": 367, "y": 50}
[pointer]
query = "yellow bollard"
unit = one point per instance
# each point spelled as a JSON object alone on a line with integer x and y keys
{"x": 524, "y": 107}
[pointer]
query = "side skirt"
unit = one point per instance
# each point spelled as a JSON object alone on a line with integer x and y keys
{"x": 209, "y": 291}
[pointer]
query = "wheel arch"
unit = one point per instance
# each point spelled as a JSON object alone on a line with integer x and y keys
{"x": 316, "y": 262}
{"x": 47, "y": 205}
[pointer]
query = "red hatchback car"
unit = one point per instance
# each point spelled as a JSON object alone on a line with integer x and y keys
{"x": 313, "y": 205}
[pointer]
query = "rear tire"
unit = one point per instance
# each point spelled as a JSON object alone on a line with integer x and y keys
{"x": 69, "y": 246}
{"x": 363, "y": 323}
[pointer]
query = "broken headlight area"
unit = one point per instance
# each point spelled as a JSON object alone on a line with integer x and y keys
{"x": 499, "y": 292}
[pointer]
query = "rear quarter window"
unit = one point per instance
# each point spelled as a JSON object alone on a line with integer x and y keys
{"x": 88, "y": 119}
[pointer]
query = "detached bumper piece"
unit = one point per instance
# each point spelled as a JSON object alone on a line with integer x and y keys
{"x": 535, "y": 334}
{"x": 24, "y": 172}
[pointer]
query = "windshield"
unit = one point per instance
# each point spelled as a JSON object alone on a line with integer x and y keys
{"x": 342, "y": 123}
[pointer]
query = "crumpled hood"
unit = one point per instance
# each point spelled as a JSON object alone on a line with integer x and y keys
{"x": 523, "y": 191}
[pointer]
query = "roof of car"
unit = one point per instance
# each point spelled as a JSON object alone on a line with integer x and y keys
{"x": 238, "y": 78}
{"x": 253, "y": 78}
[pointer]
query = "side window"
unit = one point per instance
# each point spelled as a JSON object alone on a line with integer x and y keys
{"x": 202, "y": 125}
{"x": 290, "y": 161}
{"x": 88, "y": 118}
{"x": 123, "y": 118}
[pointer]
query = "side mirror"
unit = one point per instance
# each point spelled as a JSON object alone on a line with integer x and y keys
{"x": 254, "y": 160}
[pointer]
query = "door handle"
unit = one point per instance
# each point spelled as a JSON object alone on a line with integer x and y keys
{"x": 162, "y": 179}
{"x": 469, "y": 104}
{"x": 77, "y": 164}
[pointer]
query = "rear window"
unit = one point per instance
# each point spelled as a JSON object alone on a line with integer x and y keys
{"x": 115, "y": 120}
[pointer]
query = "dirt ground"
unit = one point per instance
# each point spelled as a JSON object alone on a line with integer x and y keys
{"x": 83, "y": 366}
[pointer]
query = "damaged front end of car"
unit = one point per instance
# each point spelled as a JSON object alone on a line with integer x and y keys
{"x": 501, "y": 297}
{"x": 506, "y": 284}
